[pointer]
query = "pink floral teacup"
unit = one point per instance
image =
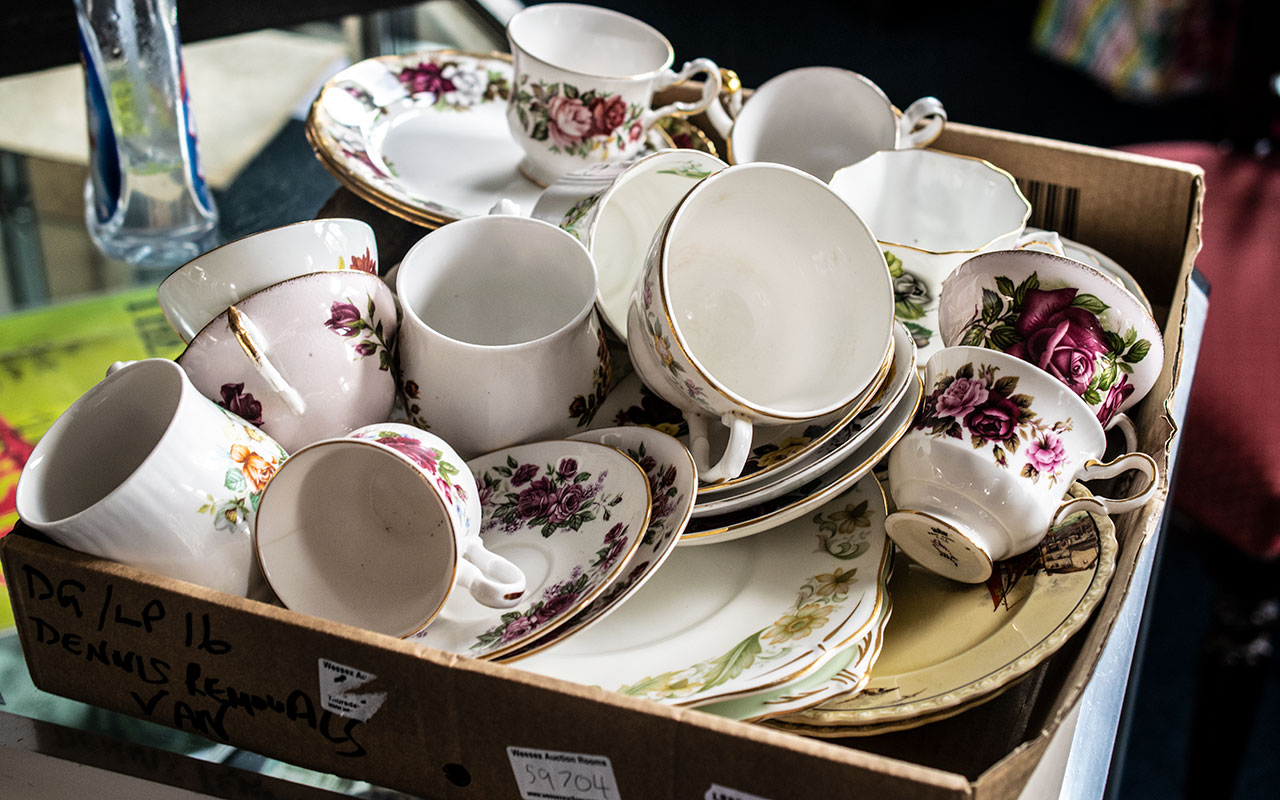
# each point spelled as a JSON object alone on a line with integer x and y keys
{"x": 375, "y": 529}
{"x": 584, "y": 83}
{"x": 982, "y": 473}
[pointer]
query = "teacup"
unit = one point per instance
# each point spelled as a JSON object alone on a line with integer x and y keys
{"x": 375, "y": 529}
{"x": 982, "y": 473}
{"x": 1065, "y": 317}
{"x": 764, "y": 300}
{"x": 144, "y": 470}
{"x": 202, "y": 288}
{"x": 931, "y": 211}
{"x": 304, "y": 359}
{"x": 820, "y": 119}
{"x": 615, "y": 210}
{"x": 584, "y": 82}
{"x": 500, "y": 343}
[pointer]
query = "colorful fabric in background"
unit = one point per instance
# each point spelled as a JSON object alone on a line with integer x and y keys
{"x": 51, "y": 356}
{"x": 1142, "y": 50}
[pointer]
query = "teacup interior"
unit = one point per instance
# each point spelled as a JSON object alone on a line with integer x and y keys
{"x": 591, "y": 41}
{"x": 501, "y": 281}
{"x": 350, "y": 532}
{"x": 91, "y": 452}
{"x": 779, "y": 293}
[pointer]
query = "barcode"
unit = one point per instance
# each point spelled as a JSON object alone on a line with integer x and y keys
{"x": 1053, "y": 207}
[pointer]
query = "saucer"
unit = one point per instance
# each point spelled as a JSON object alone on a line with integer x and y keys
{"x": 570, "y": 515}
{"x": 424, "y": 135}
{"x": 673, "y": 482}
{"x": 751, "y": 615}
{"x": 1099, "y": 261}
{"x": 797, "y": 502}
{"x": 952, "y": 645}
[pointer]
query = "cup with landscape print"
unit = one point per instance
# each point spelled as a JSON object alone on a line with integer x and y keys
{"x": 304, "y": 359}
{"x": 615, "y": 210}
{"x": 1065, "y": 317}
{"x": 983, "y": 472}
{"x": 764, "y": 300}
{"x": 376, "y": 529}
{"x": 820, "y": 119}
{"x": 201, "y": 289}
{"x": 145, "y": 470}
{"x": 584, "y": 83}
{"x": 500, "y": 342}
{"x": 931, "y": 211}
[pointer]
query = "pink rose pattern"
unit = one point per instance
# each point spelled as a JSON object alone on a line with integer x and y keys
{"x": 1061, "y": 332}
{"x": 986, "y": 408}
{"x": 574, "y": 122}
{"x": 430, "y": 459}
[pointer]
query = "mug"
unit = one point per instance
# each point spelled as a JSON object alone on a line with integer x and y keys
{"x": 500, "y": 343}
{"x": 145, "y": 470}
{"x": 304, "y": 359}
{"x": 820, "y": 119}
{"x": 202, "y": 288}
{"x": 615, "y": 210}
{"x": 981, "y": 474}
{"x": 764, "y": 300}
{"x": 931, "y": 211}
{"x": 375, "y": 529}
{"x": 584, "y": 82}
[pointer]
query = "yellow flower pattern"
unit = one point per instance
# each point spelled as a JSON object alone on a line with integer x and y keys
{"x": 799, "y": 624}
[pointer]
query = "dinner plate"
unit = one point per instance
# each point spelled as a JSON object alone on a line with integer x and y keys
{"x": 801, "y": 500}
{"x": 818, "y": 461}
{"x": 949, "y": 644}
{"x": 745, "y": 617}
{"x": 570, "y": 515}
{"x": 424, "y": 135}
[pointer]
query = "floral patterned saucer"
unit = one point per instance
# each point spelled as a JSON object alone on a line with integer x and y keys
{"x": 950, "y": 646}
{"x": 803, "y": 499}
{"x": 424, "y": 135}
{"x": 570, "y": 515}
{"x": 673, "y": 482}
{"x": 716, "y": 623}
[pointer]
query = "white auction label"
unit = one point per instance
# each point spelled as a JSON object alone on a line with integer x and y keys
{"x": 552, "y": 775}
{"x": 718, "y": 792}
{"x": 336, "y": 684}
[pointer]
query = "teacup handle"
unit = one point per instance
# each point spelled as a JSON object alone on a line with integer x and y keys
{"x": 491, "y": 579}
{"x": 735, "y": 453}
{"x": 1094, "y": 469}
{"x": 710, "y": 91}
{"x": 1122, "y": 423}
{"x": 250, "y": 338}
{"x": 921, "y": 123}
{"x": 1041, "y": 241}
{"x": 722, "y": 113}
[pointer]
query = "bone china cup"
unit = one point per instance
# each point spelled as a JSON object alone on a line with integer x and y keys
{"x": 981, "y": 474}
{"x": 931, "y": 211}
{"x": 202, "y": 288}
{"x": 584, "y": 83}
{"x": 144, "y": 470}
{"x": 820, "y": 119}
{"x": 304, "y": 359}
{"x": 764, "y": 300}
{"x": 375, "y": 529}
{"x": 500, "y": 343}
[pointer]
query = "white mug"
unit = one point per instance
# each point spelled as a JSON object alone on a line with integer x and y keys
{"x": 375, "y": 529}
{"x": 584, "y": 83}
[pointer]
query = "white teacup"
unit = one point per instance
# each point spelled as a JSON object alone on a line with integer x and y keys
{"x": 615, "y": 210}
{"x": 375, "y": 529}
{"x": 765, "y": 300}
{"x": 931, "y": 211}
{"x": 500, "y": 343}
{"x": 202, "y": 288}
{"x": 584, "y": 83}
{"x": 144, "y": 470}
{"x": 982, "y": 473}
{"x": 820, "y": 119}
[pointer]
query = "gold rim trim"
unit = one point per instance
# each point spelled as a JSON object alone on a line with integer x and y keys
{"x": 976, "y": 547}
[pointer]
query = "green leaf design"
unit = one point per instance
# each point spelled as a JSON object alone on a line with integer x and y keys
{"x": 1138, "y": 352}
{"x": 1092, "y": 397}
{"x": 1005, "y": 336}
{"x": 731, "y": 664}
{"x": 918, "y": 332}
{"x": 992, "y": 305}
{"x": 571, "y": 92}
{"x": 1114, "y": 343}
{"x": 1131, "y": 337}
{"x": 1006, "y": 385}
{"x": 895, "y": 264}
{"x": 905, "y": 309}
{"x": 1005, "y": 286}
{"x": 1020, "y": 294}
{"x": 539, "y": 132}
{"x": 1090, "y": 303}
{"x": 973, "y": 337}
{"x": 234, "y": 480}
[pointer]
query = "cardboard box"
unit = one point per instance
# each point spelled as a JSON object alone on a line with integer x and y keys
{"x": 439, "y": 725}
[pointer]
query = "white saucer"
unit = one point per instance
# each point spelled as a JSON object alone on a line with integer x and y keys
{"x": 1100, "y": 261}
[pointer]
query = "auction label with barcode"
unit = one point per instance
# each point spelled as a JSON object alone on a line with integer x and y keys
{"x": 552, "y": 775}
{"x": 718, "y": 792}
